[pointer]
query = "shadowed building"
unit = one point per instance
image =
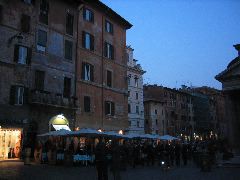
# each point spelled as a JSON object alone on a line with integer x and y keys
{"x": 230, "y": 79}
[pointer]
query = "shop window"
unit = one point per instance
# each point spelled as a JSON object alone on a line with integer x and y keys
{"x": 67, "y": 87}
{"x": 69, "y": 23}
{"x": 18, "y": 95}
{"x": 87, "y": 104}
{"x": 109, "y": 78}
{"x": 68, "y": 49}
{"x": 108, "y": 51}
{"x": 108, "y": 27}
{"x": 39, "y": 80}
{"x": 109, "y": 108}
{"x": 44, "y": 9}
{"x": 88, "y": 15}
{"x": 22, "y": 54}
{"x": 87, "y": 72}
{"x": 87, "y": 41}
{"x": 42, "y": 40}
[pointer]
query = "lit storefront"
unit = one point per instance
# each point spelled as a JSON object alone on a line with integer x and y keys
{"x": 10, "y": 143}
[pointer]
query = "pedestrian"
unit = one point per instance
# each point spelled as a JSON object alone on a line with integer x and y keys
{"x": 177, "y": 154}
{"x": 184, "y": 154}
{"x": 101, "y": 160}
{"x": 116, "y": 160}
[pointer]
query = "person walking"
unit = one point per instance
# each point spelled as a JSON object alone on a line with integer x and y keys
{"x": 116, "y": 160}
{"x": 101, "y": 160}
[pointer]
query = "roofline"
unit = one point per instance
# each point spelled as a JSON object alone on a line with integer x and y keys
{"x": 111, "y": 13}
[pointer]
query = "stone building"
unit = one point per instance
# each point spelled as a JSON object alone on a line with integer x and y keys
{"x": 177, "y": 109}
{"x": 101, "y": 68}
{"x": 135, "y": 94}
{"x": 62, "y": 64}
{"x": 37, "y": 66}
{"x": 230, "y": 79}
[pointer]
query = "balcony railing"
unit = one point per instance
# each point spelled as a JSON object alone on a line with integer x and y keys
{"x": 52, "y": 99}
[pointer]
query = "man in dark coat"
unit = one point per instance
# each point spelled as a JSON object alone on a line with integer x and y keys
{"x": 101, "y": 161}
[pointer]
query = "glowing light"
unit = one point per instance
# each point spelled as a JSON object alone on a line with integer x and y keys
{"x": 77, "y": 128}
{"x": 163, "y": 162}
{"x": 99, "y": 130}
{"x": 120, "y": 132}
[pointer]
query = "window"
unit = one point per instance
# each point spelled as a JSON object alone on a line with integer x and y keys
{"x": 87, "y": 72}
{"x": 137, "y": 109}
{"x": 25, "y": 23}
{"x": 42, "y": 40}
{"x": 22, "y": 54}
{"x": 68, "y": 49}
{"x": 69, "y": 24}
{"x": 156, "y": 131}
{"x": 109, "y": 78}
{"x": 44, "y": 8}
{"x": 129, "y": 108}
{"x": 156, "y": 122}
{"x": 17, "y": 95}
{"x": 87, "y": 41}
{"x": 136, "y": 95}
{"x": 155, "y": 111}
{"x": 128, "y": 93}
{"x": 87, "y": 104}
{"x": 88, "y": 15}
{"x": 136, "y": 81}
{"x": 67, "y": 87}
{"x": 1, "y": 13}
{"x": 39, "y": 80}
{"x": 109, "y": 108}
{"x": 108, "y": 27}
{"x": 108, "y": 50}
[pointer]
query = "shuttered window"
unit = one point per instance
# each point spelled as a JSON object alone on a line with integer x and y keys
{"x": 67, "y": 87}
{"x": 39, "y": 80}
{"x": 109, "y": 108}
{"x": 87, "y": 104}
{"x": 88, "y": 15}
{"x": 18, "y": 95}
{"x": 68, "y": 49}
{"x": 108, "y": 50}
{"x": 22, "y": 54}
{"x": 42, "y": 40}
{"x": 87, "y": 72}
{"x": 108, "y": 27}
{"x": 69, "y": 24}
{"x": 109, "y": 78}
{"x": 25, "y": 23}
{"x": 87, "y": 41}
{"x": 44, "y": 9}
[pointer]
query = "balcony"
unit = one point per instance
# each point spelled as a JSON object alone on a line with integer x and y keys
{"x": 52, "y": 99}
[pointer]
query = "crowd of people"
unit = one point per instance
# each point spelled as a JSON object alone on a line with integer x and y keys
{"x": 118, "y": 155}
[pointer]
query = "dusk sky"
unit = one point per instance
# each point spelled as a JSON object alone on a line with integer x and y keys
{"x": 181, "y": 41}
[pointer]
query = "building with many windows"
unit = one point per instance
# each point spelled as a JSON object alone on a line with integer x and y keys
{"x": 135, "y": 93}
{"x": 101, "y": 68}
{"x": 64, "y": 69}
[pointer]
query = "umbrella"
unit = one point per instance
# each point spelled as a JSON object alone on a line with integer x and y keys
{"x": 61, "y": 132}
{"x": 168, "y": 138}
{"x": 86, "y": 132}
{"x": 113, "y": 134}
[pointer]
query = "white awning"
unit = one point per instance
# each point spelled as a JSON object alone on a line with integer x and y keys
{"x": 59, "y": 127}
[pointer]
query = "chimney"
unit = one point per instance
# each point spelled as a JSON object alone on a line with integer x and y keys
{"x": 237, "y": 47}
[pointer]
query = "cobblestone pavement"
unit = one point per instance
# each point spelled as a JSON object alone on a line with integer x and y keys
{"x": 17, "y": 170}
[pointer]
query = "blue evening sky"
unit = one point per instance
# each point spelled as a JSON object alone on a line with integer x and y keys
{"x": 181, "y": 41}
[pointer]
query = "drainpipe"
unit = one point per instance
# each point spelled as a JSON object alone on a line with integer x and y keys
{"x": 102, "y": 73}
